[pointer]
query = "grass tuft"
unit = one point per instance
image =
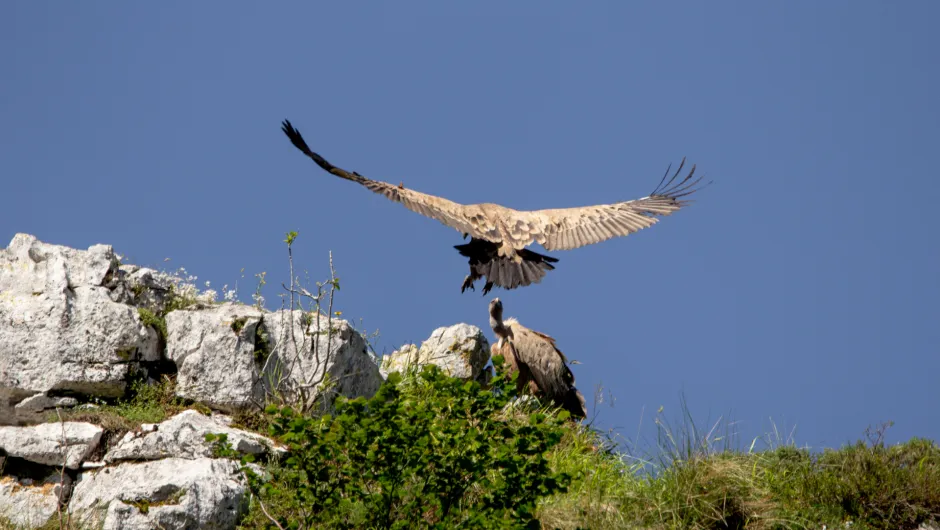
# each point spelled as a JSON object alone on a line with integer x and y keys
{"x": 870, "y": 485}
{"x": 145, "y": 403}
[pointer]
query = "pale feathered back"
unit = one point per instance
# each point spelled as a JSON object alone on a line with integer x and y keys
{"x": 542, "y": 367}
{"x": 548, "y": 366}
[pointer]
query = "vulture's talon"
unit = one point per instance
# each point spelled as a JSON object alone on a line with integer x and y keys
{"x": 467, "y": 283}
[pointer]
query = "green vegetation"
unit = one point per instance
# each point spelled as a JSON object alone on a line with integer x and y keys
{"x": 429, "y": 451}
{"x": 144, "y": 403}
{"x": 239, "y": 324}
{"x": 157, "y": 322}
{"x": 51, "y": 524}
{"x": 873, "y": 486}
{"x": 180, "y": 297}
{"x": 176, "y": 298}
{"x": 262, "y": 347}
{"x": 144, "y": 505}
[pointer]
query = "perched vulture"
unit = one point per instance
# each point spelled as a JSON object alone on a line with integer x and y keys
{"x": 541, "y": 365}
{"x": 499, "y": 235}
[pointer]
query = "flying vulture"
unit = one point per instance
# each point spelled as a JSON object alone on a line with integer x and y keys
{"x": 541, "y": 365}
{"x": 499, "y": 235}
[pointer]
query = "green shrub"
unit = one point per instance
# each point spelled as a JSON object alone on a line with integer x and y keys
{"x": 427, "y": 451}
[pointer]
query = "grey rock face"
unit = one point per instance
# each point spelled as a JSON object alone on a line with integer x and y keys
{"x": 183, "y": 436}
{"x": 52, "y": 443}
{"x": 27, "y": 504}
{"x": 306, "y": 351}
{"x": 70, "y": 329}
{"x": 176, "y": 494}
{"x": 59, "y": 328}
{"x": 147, "y": 288}
{"x": 214, "y": 351}
{"x": 460, "y": 351}
{"x": 41, "y": 402}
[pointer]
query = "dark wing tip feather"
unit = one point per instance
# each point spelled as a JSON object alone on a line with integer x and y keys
{"x": 295, "y": 138}
{"x": 669, "y": 188}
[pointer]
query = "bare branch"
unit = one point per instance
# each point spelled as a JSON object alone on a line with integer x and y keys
{"x": 64, "y": 517}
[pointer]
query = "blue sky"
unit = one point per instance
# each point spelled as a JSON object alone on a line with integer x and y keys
{"x": 801, "y": 287}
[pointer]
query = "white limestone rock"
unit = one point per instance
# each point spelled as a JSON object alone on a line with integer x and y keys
{"x": 59, "y": 328}
{"x": 183, "y": 436}
{"x": 214, "y": 351}
{"x": 460, "y": 351}
{"x": 51, "y": 443}
{"x": 173, "y": 494}
{"x": 305, "y": 351}
{"x": 41, "y": 402}
{"x": 27, "y": 504}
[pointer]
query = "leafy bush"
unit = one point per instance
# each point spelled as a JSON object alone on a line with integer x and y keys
{"x": 427, "y": 451}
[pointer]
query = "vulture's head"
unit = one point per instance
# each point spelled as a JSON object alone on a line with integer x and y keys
{"x": 496, "y": 310}
{"x": 496, "y": 322}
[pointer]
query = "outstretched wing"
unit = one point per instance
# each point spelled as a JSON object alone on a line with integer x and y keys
{"x": 568, "y": 228}
{"x": 466, "y": 219}
{"x": 556, "y": 229}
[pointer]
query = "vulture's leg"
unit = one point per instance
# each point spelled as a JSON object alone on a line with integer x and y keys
{"x": 487, "y": 287}
{"x": 468, "y": 283}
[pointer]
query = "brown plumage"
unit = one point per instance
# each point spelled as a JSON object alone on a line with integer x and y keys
{"x": 499, "y": 235}
{"x": 541, "y": 365}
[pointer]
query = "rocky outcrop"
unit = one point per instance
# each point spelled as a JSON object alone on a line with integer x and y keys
{"x": 51, "y": 444}
{"x": 60, "y": 330}
{"x": 76, "y": 326}
{"x": 460, "y": 351}
{"x": 70, "y": 326}
{"x": 184, "y": 436}
{"x": 172, "y": 493}
{"x": 306, "y": 351}
{"x": 232, "y": 356}
{"x": 214, "y": 351}
{"x": 184, "y": 487}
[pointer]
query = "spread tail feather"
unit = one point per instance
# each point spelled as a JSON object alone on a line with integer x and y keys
{"x": 503, "y": 271}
